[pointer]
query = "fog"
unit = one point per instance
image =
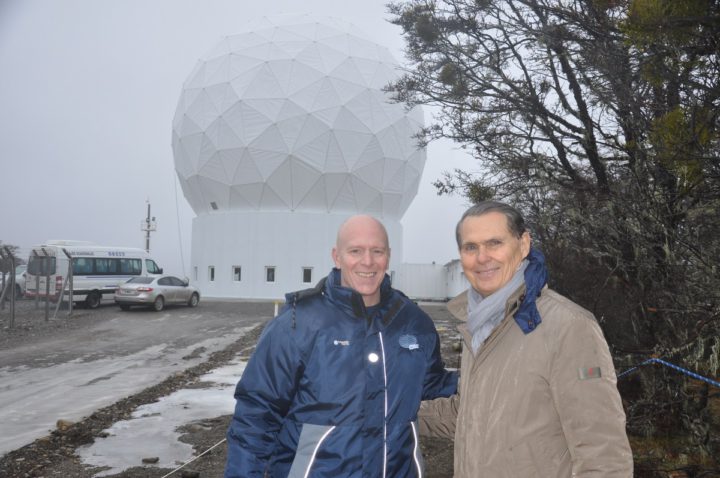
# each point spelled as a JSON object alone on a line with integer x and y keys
{"x": 89, "y": 89}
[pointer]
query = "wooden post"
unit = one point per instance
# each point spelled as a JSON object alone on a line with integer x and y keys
{"x": 46, "y": 270}
{"x": 12, "y": 287}
{"x": 8, "y": 286}
{"x": 71, "y": 268}
{"x": 68, "y": 281}
{"x": 37, "y": 282}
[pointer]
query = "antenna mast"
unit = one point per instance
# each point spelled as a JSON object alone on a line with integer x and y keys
{"x": 148, "y": 225}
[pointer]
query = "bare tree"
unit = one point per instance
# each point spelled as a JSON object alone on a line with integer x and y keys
{"x": 5, "y": 266}
{"x": 600, "y": 120}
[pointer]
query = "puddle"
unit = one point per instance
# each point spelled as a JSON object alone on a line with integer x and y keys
{"x": 151, "y": 430}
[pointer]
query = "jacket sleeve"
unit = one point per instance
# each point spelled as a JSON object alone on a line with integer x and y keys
{"x": 584, "y": 388}
{"x": 438, "y": 411}
{"x": 439, "y": 382}
{"x": 263, "y": 396}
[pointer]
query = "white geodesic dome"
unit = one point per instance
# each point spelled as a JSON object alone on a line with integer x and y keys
{"x": 290, "y": 116}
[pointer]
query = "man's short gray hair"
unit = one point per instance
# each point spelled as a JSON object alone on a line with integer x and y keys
{"x": 515, "y": 220}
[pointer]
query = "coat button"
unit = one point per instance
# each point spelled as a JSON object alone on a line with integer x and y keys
{"x": 373, "y": 357}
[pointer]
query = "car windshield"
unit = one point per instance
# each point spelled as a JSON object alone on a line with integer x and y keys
{"x": 140, "y": 280}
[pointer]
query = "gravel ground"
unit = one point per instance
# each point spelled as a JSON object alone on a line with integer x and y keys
{"x": 54, "y": 455}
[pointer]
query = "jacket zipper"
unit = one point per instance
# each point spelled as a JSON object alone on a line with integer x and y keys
{"x": 382, "y": 350}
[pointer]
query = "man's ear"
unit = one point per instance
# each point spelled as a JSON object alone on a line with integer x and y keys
{"x": 335, "y": 256}
{"x": 525, "y": 244}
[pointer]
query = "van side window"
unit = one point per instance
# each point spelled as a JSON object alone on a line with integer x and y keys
{"x": 131, "y": 267}
{"x": 82, "y": 266}
{"x": 105, "y": 266}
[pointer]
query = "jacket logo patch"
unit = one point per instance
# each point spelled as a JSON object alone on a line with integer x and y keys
{"x": 589, "y": 372}
{"x": 409, "y": 342}
{"x": 341, "y": 342}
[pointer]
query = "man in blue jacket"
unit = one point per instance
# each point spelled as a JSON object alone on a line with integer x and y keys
{"x": 336, "y": 380}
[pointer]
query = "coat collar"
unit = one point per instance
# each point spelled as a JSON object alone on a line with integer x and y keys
{"x": 521, "y": 303}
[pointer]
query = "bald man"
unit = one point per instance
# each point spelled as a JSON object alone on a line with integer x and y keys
{"x": 336, "y": 380}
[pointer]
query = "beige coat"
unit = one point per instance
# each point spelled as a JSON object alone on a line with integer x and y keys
{"x": 527, "y": 405}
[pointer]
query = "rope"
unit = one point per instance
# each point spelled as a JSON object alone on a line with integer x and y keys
{"x": 690, "y": 373}
{"x": 188, "y": 462}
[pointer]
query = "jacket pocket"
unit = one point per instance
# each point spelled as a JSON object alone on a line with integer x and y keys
{"x": 311, "y": 437}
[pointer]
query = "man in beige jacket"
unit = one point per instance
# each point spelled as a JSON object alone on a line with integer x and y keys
{"x": 537, "y": 394}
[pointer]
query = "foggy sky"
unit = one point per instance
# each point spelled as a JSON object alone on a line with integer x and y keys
{"x": 88, "y": 91}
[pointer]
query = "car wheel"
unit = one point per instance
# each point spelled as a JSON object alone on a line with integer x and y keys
{"x": 92, "y": 301}
{"x": 125, "y": 307}
{"x": 159, "y": 304}
{"x": 194, "y": 299}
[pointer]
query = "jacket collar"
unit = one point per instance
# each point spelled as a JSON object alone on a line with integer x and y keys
{"x": 351, "y": 300}
{"x": 521, "y": 302}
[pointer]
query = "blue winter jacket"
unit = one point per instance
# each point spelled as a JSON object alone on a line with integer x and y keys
{"x": 333, "y": 390}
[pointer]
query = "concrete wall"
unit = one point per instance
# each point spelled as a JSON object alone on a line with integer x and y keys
{"x": 456, "y": 281}
{"x": 421, "y": 281}
{"x": 288, "y": 241}
{"x": 291, "y": 241}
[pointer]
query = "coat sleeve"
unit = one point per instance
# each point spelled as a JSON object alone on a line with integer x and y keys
{"x": 436, "y": 418}
{"x": 263, "y": 396}
{"x": 584, "y": 388}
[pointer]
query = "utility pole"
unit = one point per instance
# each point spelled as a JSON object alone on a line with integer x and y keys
{"x": 148, "y": 225}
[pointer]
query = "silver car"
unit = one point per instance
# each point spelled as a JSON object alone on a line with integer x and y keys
{"x": 155, "y": 292}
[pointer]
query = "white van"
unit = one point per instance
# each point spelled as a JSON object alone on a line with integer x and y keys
{"x": 97, "y": 270}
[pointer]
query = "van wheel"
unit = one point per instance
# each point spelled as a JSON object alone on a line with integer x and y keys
{"x": 159, "y": 304}
{"x": 194, "y": 299}
{"x": 92, "y": 301}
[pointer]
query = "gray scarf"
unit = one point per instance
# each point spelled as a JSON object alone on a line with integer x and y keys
{"x": 485, "y": 313}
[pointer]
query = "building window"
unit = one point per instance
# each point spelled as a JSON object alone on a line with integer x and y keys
{"x": 307, "y": 275}
{"x": 392, "y": 276}
{"x": 237, "y": 273}
{"x": 195, "y": 274}
{"x": 211, "y": 273}
{"x": 270, "y": 274}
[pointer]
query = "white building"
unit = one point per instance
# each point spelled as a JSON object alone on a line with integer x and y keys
{"x": 282, "y": 132}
